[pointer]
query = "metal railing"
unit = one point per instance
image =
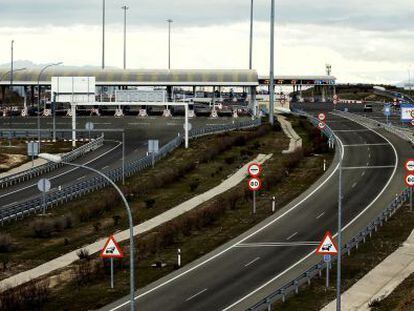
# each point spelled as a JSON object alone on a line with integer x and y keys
{"x": 316, "y": 270}
{"x": 56, "y": 197}
{"x": 36, "y": 171}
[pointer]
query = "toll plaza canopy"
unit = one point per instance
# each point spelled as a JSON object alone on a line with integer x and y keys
{"x": 136, "y": 77}
{"x": 299, "y": 80}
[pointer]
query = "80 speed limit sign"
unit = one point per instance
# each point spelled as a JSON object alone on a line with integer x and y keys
{"x": 254, "y": 184}
{"x": 409, "y": 180}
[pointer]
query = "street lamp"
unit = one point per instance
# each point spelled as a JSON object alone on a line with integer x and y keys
{"x": 272, "y": 64}
{"x": 169, "y": 21}
{"x": 11, "y": 62}
{"x": 58, "y": 159}
{"x": 125, "y": 8}
{"x": 251, "y": 35}
{"x": 38, "y": 97}
{"x": 103, "y": 34}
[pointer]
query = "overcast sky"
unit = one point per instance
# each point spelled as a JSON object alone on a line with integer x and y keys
{"x": 364, "y": 40}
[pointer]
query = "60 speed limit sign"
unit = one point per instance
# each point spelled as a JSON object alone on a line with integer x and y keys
{"x": 321, "y": 125}
{"x": 254, "y": 184}
{"x": 322, "y": 117}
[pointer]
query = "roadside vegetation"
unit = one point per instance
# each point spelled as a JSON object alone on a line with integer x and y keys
{"x": 85, "y": 284}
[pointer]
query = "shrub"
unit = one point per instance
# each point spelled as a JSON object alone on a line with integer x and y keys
{"x": 5, "y": 243}
{"x": 97, "y": 226}
{"x": 43, "y": 228}
{"x": 194, "y": 184}
{"x": 116, "y": 219}
{"x": 149, "y": 203}
{"x": 83, "y": 254}
{"x": 30, "y": 296}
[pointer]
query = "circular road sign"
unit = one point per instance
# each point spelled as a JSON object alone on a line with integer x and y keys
{"x": 409, "y": 165}
{"x": 335, "y": 97}
{"x": 89, "y": 126}
{"x": 255, "y": 184}
{"x": 409, "y": 180}
{"x": 254, "y": 169}
{"x": 190, "y": 126}
{"x": 327, "y": 258}
{"x": 321, "y": 125}
{"x": 322, "y": 117}
{"x": 43, "y": 185}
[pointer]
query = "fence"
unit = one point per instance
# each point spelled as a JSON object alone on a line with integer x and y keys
{"x": 30, "y": 173}
{"x": 56, "y": 197}
{"x": 316, "y": 270}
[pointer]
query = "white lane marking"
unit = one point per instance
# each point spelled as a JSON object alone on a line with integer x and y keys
{"x": 199, "y": 293}
{"x": 369, "y": 155}
{"x": 276, "y": 244}
{"x": 64, "y": 173}
{"x": 82, "y": 177}
{"x": 242, "y": 240}
{"x": 360, "y": 130}
{"x": 343, "y": 229}
{"x": 366, "y": 167}
{"x": 105, "y": 167}
{"x": 365, "y": 145}
{"x": 252, "y": 262}
{"x": 139, "y": 123}
{"x": 10, "y": 204}
{"x": 320, "y": 215}
{"x": 354, "y": 184}
{"x": 291, "y": 236}
{"x": 363, "y": 173}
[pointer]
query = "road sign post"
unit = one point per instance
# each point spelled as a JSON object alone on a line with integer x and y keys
{"x": 273, "y": 204}
{"x": 254, "y": 184}
{"x": 409, "y": 179}
{"x": 110, "y": 251}
{"x": 89, "y": 127}
{"x": 327, "y": 248}
{"x": 44, "y": 186}
{"x": 327, "y": 260}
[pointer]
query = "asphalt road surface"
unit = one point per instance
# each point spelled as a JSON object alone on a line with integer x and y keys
{"x": 137, "y": 133}
{"x": 245, "y": 270}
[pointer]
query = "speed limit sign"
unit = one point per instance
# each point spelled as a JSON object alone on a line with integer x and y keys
{"x": 255, "y": 184}
{"x": 321, "y": 125}
{"x": 409, "y": 180}
{"x": 409, "y": 165}
{"x": 322, "y": 117}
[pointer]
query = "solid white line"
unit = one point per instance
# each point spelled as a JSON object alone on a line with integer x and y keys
{"x": 365, "y": 145}
{"x": 366, "y": 167}
{"x": 64, "y": 173}
{"x": 361, "y": 130}
{"x": 343, "y": 229}
{"x": 10, "y": 204}
{"x": 291, "y": 236}
{"x": 252, "y": 262}
{"x": 241, "y": 241}
{"x": 105, "y": 167}
{"x": 369, "y": 155}
{"x": 199, "y": 293}
{"x": 363, "y": 173}
{"x": 354, "y": 184}
{"x": 82, "y": 177}
{"x": 320, "y": 215}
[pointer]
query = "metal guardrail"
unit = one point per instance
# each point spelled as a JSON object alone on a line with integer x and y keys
{"x": 33, "y": 172}
{"x": 306, "y": 276}
{"x": 56, "y": 197}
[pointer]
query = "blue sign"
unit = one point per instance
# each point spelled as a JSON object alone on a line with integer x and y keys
{"x": 327, "y": 258}
{"x": 407, "y": 112}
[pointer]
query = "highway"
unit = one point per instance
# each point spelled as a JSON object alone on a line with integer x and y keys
{"x": 137, "y": 133}
{"x": 245, "y": 270}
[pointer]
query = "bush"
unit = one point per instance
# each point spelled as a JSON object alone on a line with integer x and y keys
{"x": 30, "y": 296}
{"x": 116, "y": 219}
{"x": 149, "y": 203}
{"x": 83, "y": 254}
{"x": 5, "y": 243}
{"x": 194, "y": 184}
{"x": 43, "y": 228}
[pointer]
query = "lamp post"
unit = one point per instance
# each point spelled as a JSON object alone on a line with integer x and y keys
{"x": 38, "y": 97}
{"x": 251, "y": 35}
{"x": 58, "y": 159}
{"x": 125, "y": 8}
{"x": 338, "y": 266}
{"x": 5, "y": 75}
{"x": 272, "y": 64}
{"x": 169, "y": 21}
{"x": 11, "y": 62}
{"x": 103, "y": 34}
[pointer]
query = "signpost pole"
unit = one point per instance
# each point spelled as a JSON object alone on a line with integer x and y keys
{"x": 123, "y": 158}
{"x": 112, "y": 273}
{"x": 186, "y": 126}
{"x": 254, "y": 202}
{"x": 44, "y": 196}
{"x": 338, "y": 278}
{"x": 411, "y": 199}
{"x": 327, "y": 274}
{"x": 179, "y": 258}
{"x": 273, "y": 204}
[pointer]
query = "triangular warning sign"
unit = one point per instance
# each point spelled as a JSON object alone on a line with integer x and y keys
{"x": 111, "y": 249}
{"x": 327, "y": 246}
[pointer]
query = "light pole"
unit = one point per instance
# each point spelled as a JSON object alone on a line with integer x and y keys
{"x": 5, "y": 75}
{"x": 103, "y": 34}
{"x": 251, "y": 35}
{"x": 58, "y": 159}
{"x": 125, "y": 8}
{"x": 11, "y": 62}
{"x": 169, "y": 21}
{"x": 272, "y": 64}
{"x": 38, "y": 97}
{"x": 338, "y": 267}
